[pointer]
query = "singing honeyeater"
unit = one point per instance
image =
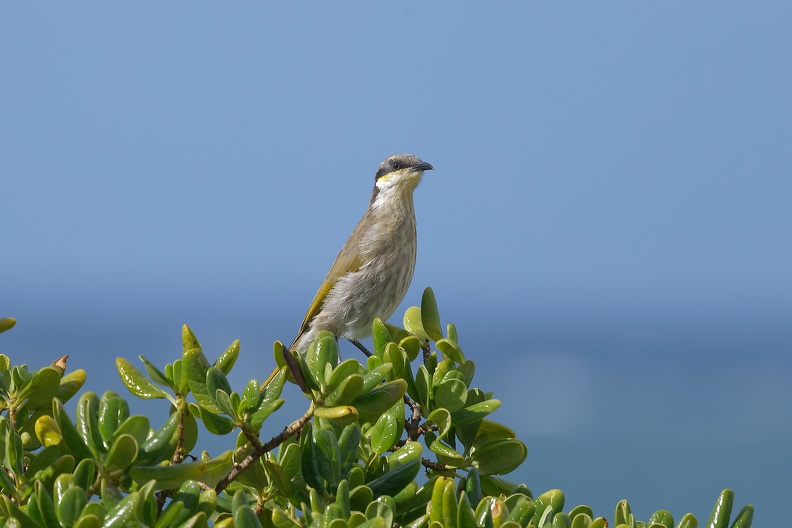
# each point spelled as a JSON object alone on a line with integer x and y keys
{"x": 373, "y": 270}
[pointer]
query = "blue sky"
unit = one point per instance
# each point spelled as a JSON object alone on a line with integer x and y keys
{"x": 608, "y": 223}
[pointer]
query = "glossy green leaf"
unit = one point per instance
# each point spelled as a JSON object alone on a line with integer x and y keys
{"x": 156, "y": 374}
{"x": 195, "y": 367}
{"x": 719, "y": 518}
{"x": 169, "y": 476}
{"x": 349, "y": 389}
{"x": 360, "y": 497}
{"x": 473, "y": 486}
{"x": 379, "y": 336}
{"x": 137, "y": 426}
{"x": 85, "y": 473}
{"x": 393, "y": 355}
{"x": 121, "y": 515}
{"x": 450, "y": 350}
{"x": 47, "y": 431}
{"x": 6, "y": 323}
{"x": 87, "y": 423}
{"x": 70, "y": 384}
{"x": 42, "y": 460}
{"x": 228, "y": 358}
{"x": 411, "y": 346}
{"x": 216, "y": 380}
{"x": 121, "y": 455}
{"x": 41, "y": 389}
{"x": 21, "y": 519}
{"x": 373, "y": 403}
{"x": 500, "y": 457}
{"x": 45, "y": 514}
{"x": 113, "y": 411}
{"x": 136, "y": 382}
{"x": 376, "y": 376}
{"x": 522, "y": 510}
{"x": 71, "y": 505}
{"x": 413, "y": 323}
{"x": 385, "y": 433}
{"x": 407, "y": 453}
{"x": 394, "y": 481}
{"x": 450, "y": 394}
{"x": 215, "y": 424}
{"x": 430, "y": 315}
{"x": 328, "y": 456}
{"x": 475, "y": 412}
{"x": 552, "y": 500}
{"x": 348, "y": 442}
{"x": 341, "y": 416}
{"x": 744, "y": 517}
{"x": 262, "y": 413}
{"x": 662, "y": 518}
{"x": 162, "y": 444}
{"x": 69, "y": 432}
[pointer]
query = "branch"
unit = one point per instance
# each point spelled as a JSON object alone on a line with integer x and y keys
{"x": 259, "y": 449}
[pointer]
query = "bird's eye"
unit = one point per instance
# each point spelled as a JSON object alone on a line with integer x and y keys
{"x": 396, "y": 165}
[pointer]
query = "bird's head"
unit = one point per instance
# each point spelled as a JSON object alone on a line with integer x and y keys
{"x": 400, "y": 173}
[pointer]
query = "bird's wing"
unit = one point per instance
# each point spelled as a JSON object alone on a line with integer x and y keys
{"x": 348, "y": 260}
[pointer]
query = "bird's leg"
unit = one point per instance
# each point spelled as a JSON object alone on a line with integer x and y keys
{"x": 360, "y": 347}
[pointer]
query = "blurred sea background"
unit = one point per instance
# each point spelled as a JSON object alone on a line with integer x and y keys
{"x": 608, "y": 224}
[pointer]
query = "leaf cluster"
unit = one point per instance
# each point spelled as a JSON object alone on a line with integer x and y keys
{"x": 403, "y": 438}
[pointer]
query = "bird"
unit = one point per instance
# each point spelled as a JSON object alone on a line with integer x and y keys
{"x": 373, "y": 270}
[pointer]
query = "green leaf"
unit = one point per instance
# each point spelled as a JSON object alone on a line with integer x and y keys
{"x": 719, "y": 518}
{"x": 663, "y": 518}
{"x": 376, "y": 376}
{"x": 373, "y": 403}
{"x": 552, "y": 500}
{"x": 348, "y": 443}
{"x": 120, "y": 515}
{"x": 500, "y": 457}
{"x": 156, "y": 374}
{"x": 341, "y": 416}
{"x": 450, "y": 394}
{"x": 121, "y": 455}
{"x": 430, "y": 316}
{"x": 475, "y": 412}
{"x": 69, "y": 432}
{"x": 385, "y": 433}
{"x": 47, "y": 431}
{"x": 195, "y": 367}
{"x": 744, "y": 517}
{"x": 6, "y": 323}
{"x": 450, "y": 350}
{"x": 113, "y": 411}
{"x": 411, "y": 346}
{"x": 413, "y": 323}
{"x": 379, "y": 336}
{"x": 216, "y": 380}
{"x": 71, "y": 505}
{"x": 70, "y": 384}
{"x": 346, "y": 392}
{"x": 263, "y": 412}
{"x": 328, "y": 456}
{"x": 215, "y": 424}
{"x": 41, "y": 389}
{"x": 136, "y": 382}
{"x": 169, "y": 476}
{"x": 394, "y": 481}
{"x": 227, "y": 359}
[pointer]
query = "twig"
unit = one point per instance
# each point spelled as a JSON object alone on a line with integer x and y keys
{"x": 437, "y": 466}
{"x": 412, "y": 425}
{"x": 260, "y": 449}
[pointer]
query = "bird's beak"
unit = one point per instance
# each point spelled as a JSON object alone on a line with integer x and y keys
{"x": 423, "y": 166}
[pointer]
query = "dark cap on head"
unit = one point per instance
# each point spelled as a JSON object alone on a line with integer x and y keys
{"x": 399, "y": 162}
